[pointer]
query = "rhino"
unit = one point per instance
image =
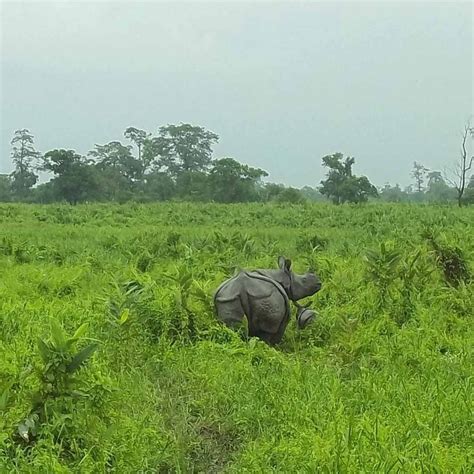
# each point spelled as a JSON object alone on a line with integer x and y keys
{"x": 264, "y": 296}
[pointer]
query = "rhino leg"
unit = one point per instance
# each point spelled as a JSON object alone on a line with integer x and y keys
{"x": 230, "y": 312}
{"x": 269, "y": 316}
{"x": 269, "y": 338}
{"x": 262, "y": 300}
{"x": 228, "y": 303}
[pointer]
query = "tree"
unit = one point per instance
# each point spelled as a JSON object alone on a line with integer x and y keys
{"x": 393, "y": 194}
{"x": 290, "y": 195}
{"x": 280, "y": 193}
{"x": 74, "y": 179}
{"x": 459, "y": 178}
{"x": 112, "y": 185}
{"x": 158, "y": 186}
{"x": 311, "y": 194}
{"x": 469, "y": 194}
{"x": 138, "y": 137}
{"x": 341, "y": 185}
{"x": 271, "y": 191}
{"x": 192, "y": 185}
{"x": 23, "y": 155}
{"x": 419, "y": 172}
{"x": 437, "y": 189}
{"x": 46, "y": 193}
{"x": 182, "y": 148}
{"x": 435, "y": 177}
{"x": 5, "y": 188}
{"x": 231, "y": 181}
{"x": 117, "y": 171}
{"x": 118, "y": 157}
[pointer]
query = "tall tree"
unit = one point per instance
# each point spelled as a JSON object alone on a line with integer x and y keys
{"x": 182, "y": 148}
{"x": 419, "y": 173}
{"x": 23, "y": 157}
{"x": 437, "y": 189}
{"x": 463, "y": 166}
{"x": 435, "y": 177}
{"x": 341, "y": 185}
{"x": 137, "y": 136}
{"x": 74, "y": 179}
{"x": 231, "y": 181}
{"x": 118, "y": 157}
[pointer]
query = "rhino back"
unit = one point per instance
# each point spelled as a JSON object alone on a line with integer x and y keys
{"x": 262, "y": 299}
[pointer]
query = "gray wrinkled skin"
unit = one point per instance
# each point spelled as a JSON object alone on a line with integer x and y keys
{"x": 264, "y": 296}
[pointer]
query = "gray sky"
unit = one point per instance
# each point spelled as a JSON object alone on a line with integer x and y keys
{"x": 282, "y": 84}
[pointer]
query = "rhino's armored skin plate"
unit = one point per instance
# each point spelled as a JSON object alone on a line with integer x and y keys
{"x": 263, "y": 296}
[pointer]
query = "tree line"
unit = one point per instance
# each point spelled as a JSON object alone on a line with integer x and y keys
{"x": 178, "y": 163}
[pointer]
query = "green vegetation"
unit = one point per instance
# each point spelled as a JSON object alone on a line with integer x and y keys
{"x": 177, "y": 164}
{"x": 341, "y": 185}
{"x": 111, "y": 360}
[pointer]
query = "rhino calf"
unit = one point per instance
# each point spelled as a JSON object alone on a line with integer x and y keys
{"x": 263, "y": 296}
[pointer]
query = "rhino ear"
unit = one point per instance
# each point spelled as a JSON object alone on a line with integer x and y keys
{"x": 284, "y": 263}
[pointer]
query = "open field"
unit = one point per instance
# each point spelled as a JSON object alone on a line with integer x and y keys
{"x": 382, "y": 381}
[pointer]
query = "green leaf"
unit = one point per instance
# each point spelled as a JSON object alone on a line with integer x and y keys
{"x": 124, "y": 316}
{"x": 5, "y": 396}
{"x": 44, "y": 350}
{"x": 77, "y": 335}
{"x": 59, "y": 336}
{"x": 80, "y": 332}
{"x": 81, "y": 357}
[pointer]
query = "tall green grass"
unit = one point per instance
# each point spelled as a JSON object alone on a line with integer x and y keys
{"x": 381, "y": 381}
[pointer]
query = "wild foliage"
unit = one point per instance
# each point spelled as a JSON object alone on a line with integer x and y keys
{"x": 112, "y": 360}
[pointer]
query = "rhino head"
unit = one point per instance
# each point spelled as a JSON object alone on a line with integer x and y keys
{"x": 296, "y": 286}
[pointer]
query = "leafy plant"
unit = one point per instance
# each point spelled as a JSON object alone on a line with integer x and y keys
{"x": 414, "y": 276}
{"x": 184, "y": 280}
{"x": 5, "y": 395}
{"x": 175, "y": 391}
{"x": 173, "y": 240}
{"x": 243, "y": 243}
{"x": 61, "y": 361}
{"x": 127, "y": 295}
{"x": 451, "y": 261}
{"x": 144, "y": 261}
{"x": 311, "y": 243}
{"x": 382, "y": 266}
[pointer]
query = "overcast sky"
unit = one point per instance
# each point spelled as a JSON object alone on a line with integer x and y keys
{"x": 282, "y": 84}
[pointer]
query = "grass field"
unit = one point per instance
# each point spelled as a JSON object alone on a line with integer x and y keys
{"x": 382, "y": 381}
